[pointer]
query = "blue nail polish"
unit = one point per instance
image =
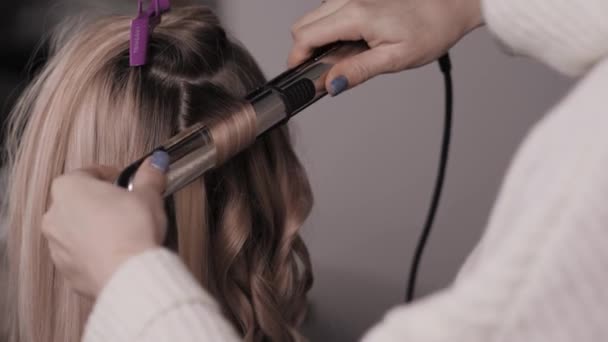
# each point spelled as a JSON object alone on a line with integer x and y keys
{"x": 338, "y": 85}
{"x": 160, "y": 160}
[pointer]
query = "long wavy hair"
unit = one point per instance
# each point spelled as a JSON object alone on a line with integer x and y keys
{"x": 236, "y": 228}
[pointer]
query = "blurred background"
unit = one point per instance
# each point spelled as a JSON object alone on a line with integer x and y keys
{"x": 371, "y": 154}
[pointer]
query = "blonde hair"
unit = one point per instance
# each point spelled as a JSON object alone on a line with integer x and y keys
{"x": 237, "y": 228}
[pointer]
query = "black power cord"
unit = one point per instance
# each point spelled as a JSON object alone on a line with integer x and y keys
{"x": 446, "y": 69}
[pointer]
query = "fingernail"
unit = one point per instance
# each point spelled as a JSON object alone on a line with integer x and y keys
{"x": 338, "y": 85}
{"x": 160, "y": 160}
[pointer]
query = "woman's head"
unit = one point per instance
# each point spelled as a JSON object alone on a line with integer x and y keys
{"x": 237, "y": 228}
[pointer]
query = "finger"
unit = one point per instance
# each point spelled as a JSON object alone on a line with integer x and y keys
{"x": 151, "y": 174}
{"x": 60, "y": 258}
{"x": 50, "y": 231}
{"x": 360, "y": 68}
{"x": 326, "y": 8}
{"x": 46, "y": 226}
{"x": 101, "y": 172}
{"x": 55, "y": 252}
{"x": 91, "y": 176}
{"x": 329, "y": 29}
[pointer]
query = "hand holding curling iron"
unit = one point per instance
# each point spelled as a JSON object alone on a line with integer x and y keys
{"x": 401, "y": 34}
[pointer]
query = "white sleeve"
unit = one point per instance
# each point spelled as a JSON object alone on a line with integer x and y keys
{"x": 541, "y": 269}
{"x": 153, "y": 297}
{"x": 569, "y": 35}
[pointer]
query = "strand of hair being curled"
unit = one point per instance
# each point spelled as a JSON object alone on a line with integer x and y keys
{"x": 237, "y": 229}
{"x": 233, "y": 133}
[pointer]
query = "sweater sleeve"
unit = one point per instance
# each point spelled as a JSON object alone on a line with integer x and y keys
{"x": 153, "y": 297}
{"x": 540, "y": 270}
{"x": 570, "y": 36}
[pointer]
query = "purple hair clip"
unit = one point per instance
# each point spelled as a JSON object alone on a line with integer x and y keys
{"x": 142, "y": 27}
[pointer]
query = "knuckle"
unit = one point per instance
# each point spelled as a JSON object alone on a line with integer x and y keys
{"x": 45, "y": 224}
{"x": 393, "y": 59}
{"x": 297, "y": 34}
{"x": 357, "y": 10}
{"x": 361, "y": 71}
{"x": 294, "y": 31}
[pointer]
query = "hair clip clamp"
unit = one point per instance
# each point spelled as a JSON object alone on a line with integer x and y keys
{"x": 141, "y": 30}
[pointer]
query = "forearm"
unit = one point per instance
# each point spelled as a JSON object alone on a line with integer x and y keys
{"x": 570, "y": 36}
{"x": 152, "y": 297}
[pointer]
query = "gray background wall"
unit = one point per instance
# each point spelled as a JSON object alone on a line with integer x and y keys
{"x": 371, "y": 157}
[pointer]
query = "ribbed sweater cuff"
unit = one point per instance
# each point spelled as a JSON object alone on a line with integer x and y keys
{"x": 569, "y": 35}
{"x": 143, "y": 288}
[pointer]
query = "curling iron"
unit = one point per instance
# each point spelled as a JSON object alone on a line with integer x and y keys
{"x": 193, "y": 152}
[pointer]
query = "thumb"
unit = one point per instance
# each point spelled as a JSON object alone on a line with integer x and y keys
{"x": 360, "y": 68}
{"x": 151, "y": 175}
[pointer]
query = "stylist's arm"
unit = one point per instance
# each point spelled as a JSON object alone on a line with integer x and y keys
{"x": 401, "y": 34}
{"x": 106, "y": 242}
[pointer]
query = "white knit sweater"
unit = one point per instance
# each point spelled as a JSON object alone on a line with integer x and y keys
{"x": 540, "y": 272}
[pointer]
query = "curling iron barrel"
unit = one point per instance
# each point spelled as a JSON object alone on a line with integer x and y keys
{"x": 193, "y": 152}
